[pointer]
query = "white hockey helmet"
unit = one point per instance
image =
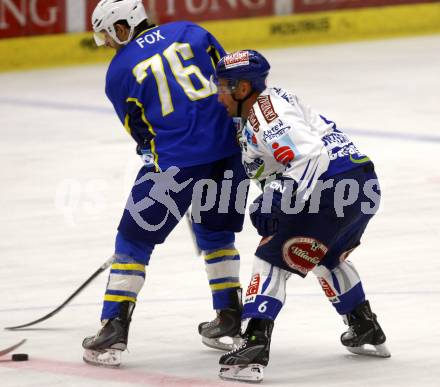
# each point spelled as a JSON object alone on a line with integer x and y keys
{"x": 108, "y": 12}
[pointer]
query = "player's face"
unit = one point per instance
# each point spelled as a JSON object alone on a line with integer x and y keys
{"x": 225, "y": 97}
{"x": 104, "y": 38}
{"x": 109, "y": 42}
{"x": 121, "y": 32}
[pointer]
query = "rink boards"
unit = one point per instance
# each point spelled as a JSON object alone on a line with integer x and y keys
{"x": 263, "y": 32}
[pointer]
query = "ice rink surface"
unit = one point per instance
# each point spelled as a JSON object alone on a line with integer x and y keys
{"x": 66, "y": 166}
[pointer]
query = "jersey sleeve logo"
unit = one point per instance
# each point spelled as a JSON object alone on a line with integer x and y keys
{"x": 253, "y": 120}
{"x": 266, "y": 107}
{"x": 283, "y": 154}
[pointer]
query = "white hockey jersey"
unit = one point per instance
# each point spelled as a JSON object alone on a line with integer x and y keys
{"x": 284, "y": 137}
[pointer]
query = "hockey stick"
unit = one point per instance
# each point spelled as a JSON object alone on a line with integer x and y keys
{"x": 71, "y": 297}
{"x": 191, "y": 231}
{"x": 5, "y": 351}
{"x": 91, "y": 278}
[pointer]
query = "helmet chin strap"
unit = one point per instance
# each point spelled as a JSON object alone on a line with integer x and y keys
{"x": 241, "y": 101}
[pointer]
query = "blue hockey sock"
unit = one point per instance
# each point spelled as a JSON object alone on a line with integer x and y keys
{"x": 126, "y": 279}
{"x": 342, "y": 286}
{"x": 127, "y": 274}
{"x": 223, "y": 268}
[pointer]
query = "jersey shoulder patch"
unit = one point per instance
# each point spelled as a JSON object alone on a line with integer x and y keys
{"x": 267, "y": 109}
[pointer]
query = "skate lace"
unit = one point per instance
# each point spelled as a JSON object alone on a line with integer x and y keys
{"x": 212, "y": 323}
{"x": 104, "y": 323}
{"x": 238, "y": 347}
{"x": 354, "y": 330}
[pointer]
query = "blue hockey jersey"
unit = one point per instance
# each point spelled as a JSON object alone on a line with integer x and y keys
{"x": 159, "y": 85}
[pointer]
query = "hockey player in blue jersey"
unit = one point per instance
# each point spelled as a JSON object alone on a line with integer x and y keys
{"x": 319, "y": 193}
{"x": 159, "y": 84}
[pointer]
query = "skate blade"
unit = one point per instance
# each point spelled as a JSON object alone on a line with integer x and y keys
{"x": 110, "y": 358}
{"x": 380, "y": 350}
{"x": 225, "y": 343}
{"x": 251, "y": 373}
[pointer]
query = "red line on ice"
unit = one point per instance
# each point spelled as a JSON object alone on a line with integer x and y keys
{"x": 128, "y": 376}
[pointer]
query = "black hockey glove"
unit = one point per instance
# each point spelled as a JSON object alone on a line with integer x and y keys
{"x": 265, "y": 210}
{"x": 266, "y": 222}
{"x": 147, "y": 156}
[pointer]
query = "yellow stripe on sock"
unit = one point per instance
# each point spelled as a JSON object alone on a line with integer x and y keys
{"x": 221, "y": 253}
{"x": 113, "y": 298}
{"x": 225, "y": 285}
{"x": 128, "y": 266}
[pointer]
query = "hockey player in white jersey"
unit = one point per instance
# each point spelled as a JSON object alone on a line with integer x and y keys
{"x": 319, "y": 193}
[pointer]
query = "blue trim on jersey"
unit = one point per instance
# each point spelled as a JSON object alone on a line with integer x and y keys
{"x": 128, "y": 272}
{"x": 223, "y": 280}
{"x": 121, "y": 293}
{"x": 336, "y": 283}
{"x": 344, "y": 156}
{"x": 272, "y": 307}
{"x": 313, "y": 176}
{"x": 327, "y": 121}
{"x": 305, "y": 172}
{"x": 268, "y": 279}
{"x": 224, "y": 258}
{"x": 350, "y": 300}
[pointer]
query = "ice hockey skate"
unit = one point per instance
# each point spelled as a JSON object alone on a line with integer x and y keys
{"x": 364, "y": 335}
{"x": 246, "y": 362}
{"x": 105, "y": 348}
{"x": 223, "y": 332}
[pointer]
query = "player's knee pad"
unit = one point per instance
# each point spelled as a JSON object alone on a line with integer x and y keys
{"x": 342, "y": 286}
{"x": 138, "y": 250}
{"x": 127, "y": 276}
{"x": 223, "y": 269}
{"x": 208, "y": 240}
{"x": 266, "y": 292}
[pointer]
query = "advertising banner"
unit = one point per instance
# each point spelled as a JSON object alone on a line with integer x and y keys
{"x": 163, "y": 11}
{"x": 31, "y": 17}
{"x": 198, "y": 10}
{"x": 265, "y": 32}
{"x": 42, "y": 17}
{"x": 327, "y": 5}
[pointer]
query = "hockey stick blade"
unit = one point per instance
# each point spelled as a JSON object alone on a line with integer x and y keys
{"x": 5, "y": 351}
{"x": 70, "y": 298}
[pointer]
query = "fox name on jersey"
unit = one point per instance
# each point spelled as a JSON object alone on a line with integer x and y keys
{"x": 148, "y": 39}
